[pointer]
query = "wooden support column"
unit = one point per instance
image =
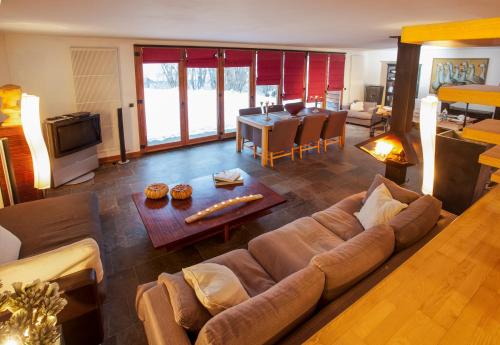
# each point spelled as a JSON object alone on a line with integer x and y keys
{"x": 405, "y": 87}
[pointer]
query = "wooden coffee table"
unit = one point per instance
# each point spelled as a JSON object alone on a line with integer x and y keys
{"x": 164, "y": 218}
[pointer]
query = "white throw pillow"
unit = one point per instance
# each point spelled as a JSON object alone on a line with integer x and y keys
{"x": 215, "y": 286}
{"x": 357, "y": 106}
{"x": 379, "y": 208}
{"x": 10, "y": 246}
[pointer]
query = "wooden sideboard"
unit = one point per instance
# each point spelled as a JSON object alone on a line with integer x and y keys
{"x": 22, "y": 165}
{"x": 446, "y": 293}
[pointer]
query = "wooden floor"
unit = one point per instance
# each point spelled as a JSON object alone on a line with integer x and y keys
{"x": 309, "y": 185}
{"x": 447, "y": 293}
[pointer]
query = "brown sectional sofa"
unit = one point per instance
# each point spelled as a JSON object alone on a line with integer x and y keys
{"x": 295, "y": 275}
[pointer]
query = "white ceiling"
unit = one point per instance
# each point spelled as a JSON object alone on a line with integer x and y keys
{"x": 312, "y": 23}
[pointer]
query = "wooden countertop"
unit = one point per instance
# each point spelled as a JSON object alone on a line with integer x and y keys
{"x": 447, "y": 293}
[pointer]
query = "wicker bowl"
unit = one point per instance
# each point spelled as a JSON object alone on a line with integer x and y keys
{"x": 181, "y": 191}
{"x": 156, "y": 191}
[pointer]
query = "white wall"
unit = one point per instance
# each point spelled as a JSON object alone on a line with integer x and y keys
{"x": 374, "y": 60}
{"x": 4, "y": 63}
{"x": 41, "y": 65}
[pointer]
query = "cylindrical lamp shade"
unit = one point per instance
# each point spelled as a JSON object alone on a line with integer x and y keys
{"x": 428, "y": 121}
{"x": 30, "y": 119}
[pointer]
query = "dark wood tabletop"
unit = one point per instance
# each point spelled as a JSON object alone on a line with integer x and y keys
{"x": 164, "y": 218}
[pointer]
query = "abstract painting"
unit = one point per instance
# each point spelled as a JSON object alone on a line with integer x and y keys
{"x": 457, "y": 72}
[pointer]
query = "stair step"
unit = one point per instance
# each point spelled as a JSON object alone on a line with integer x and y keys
{"x": 495, "y": 177}
{"x": 491, "y": 157}
{"x": 487, "y": 131}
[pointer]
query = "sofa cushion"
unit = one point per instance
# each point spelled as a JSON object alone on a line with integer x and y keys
{"x": 216, "y": 286}
{"x": 9, "y": 246}
{"x": 338, "y": 221}
{"x": 379, "y": 208}
{"x": 354, "y": 259}
{"x": 43, "y": 225}
{"x": 413, "y": 223}
{"x": 252, "y": 276}
{"x": 399, "y": 193}
{"x": 187, "y": 310}
{"x": 268, "y": 316}
{"x": 362, "y": 115}
{"x": 356, "y": 106}
{"x": 290, "y": 248}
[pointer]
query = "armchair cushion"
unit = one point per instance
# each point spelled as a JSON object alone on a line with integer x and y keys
{"x": 264, "y": 318}
{"x": 352, "y": 260}
{"x": 54, "y": 264}
{"x": 9, "y": 246}
{"x": 413, "y": 223}
{"x": 357, "y": 106}
{"x": 369, "y": 106}
{"x": 188, "y": 311}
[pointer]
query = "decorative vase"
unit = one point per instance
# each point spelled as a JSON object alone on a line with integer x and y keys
{"x": 156, "y": 191}
{"x": 181, "y": 191}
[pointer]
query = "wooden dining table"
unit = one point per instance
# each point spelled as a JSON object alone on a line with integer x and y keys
{"x": 265, "y": 124}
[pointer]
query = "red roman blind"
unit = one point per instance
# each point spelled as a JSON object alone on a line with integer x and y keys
{"x": 238, "y": 58}
{"x": 268, "y": 67}
{"x": 336, "y": 72}
{"x": 201, "y": 57}
{"x": 161, "y": 55}
{"x": 317, "y": 76}
{"x": 293, "y": 84}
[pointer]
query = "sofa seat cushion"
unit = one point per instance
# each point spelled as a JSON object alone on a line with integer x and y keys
{"x": 338, "y": 221}
{"x": 265, "y": 318}
{"x": 252, "y": 276}
{"x": 414, "y": 222}
{"x": 187, "y": 310}
{"x": 51, "y": 223}
{"x": 362, "y": 115}
{"x": 290, "y": 248}
{"x": 401, "y": 194}
{"x": 348, "y": 263}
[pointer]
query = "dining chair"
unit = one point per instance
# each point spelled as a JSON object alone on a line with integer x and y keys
{"x": 280, "y": 140}
{"x": 294, "y": 108}
{"x": 308, "y": 134}
{"x": 247, "y": 132}
{"x": 276, "y": 108}
{"x": 334, "y": 128}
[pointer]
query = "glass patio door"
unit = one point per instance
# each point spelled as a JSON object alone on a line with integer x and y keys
{"x": 161, "y": 100}
{"x": 236, "y": 95}
{"x": 202, "y": 102}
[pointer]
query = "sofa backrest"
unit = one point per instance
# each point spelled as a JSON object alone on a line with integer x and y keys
{"x": 266, "y": 317}
{"x": 352, "y": 260}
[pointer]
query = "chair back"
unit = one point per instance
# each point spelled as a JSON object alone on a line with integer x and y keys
{"x": 283, "y": 134}
{"x": 334, "y": 125}
{"x": 310, "y": 130}
{"x": 294, "y": 108}
{"x": 250, "y": 111}
{"x": 275, "y": 108}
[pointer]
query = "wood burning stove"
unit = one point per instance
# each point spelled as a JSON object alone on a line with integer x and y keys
{"x": 394, "y": 148}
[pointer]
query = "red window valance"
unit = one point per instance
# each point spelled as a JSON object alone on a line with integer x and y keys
{"x": 336, "y": 72}
{"x": 293, "y": 84}
{"x": 268, "y": 67}
{"x": 201, "y": 57}
{"x": 161, "y": 55}
{"x": 317, "y": 76}
{"x": 238, "y": 58}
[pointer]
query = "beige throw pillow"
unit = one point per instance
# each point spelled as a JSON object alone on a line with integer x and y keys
{"x": 357, "y": 106}
{"x": 215, "y": 286}
{"x": 379, "y": 208}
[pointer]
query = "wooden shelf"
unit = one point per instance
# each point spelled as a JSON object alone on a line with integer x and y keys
{"x": 487, "y": 131}
{"x": 491, "y": 157}
{"x": 495, "y": 177}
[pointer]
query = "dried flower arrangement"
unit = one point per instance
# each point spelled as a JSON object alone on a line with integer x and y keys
{"x": 34, "y": 308}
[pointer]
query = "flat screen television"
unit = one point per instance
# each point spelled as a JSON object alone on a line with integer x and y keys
{"x": 76, "y": 133}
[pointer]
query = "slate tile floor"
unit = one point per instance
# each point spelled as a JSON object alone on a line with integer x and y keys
{"x": 314, "y": 183}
